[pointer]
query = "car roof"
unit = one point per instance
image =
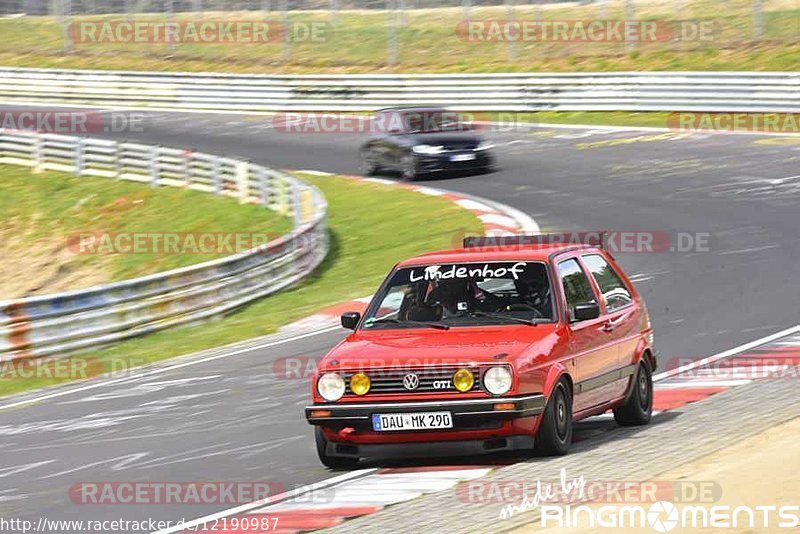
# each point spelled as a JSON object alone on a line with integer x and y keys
{"x": 534, "y": 252}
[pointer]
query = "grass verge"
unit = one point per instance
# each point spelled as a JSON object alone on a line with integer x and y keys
{"x": 372, "y": 227}
{"x": 42, "y": 214}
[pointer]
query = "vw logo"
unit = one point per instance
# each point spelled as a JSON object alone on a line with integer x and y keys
{"x": 411, "y": 381}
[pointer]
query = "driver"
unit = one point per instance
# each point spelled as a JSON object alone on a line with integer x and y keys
{"x": 451, "y": 295}
{"x": 535, "y": 292}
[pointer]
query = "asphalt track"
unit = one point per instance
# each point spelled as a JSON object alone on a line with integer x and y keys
{"x": 232, "y": 419}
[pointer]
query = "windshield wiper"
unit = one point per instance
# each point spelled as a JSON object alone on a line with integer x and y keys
{"x": 431, "y": 324}
{"x": 478, "y": 313}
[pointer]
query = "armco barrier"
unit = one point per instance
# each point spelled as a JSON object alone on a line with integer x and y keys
{"x": 55, "y": 324}
{"x": 636, "y": 91}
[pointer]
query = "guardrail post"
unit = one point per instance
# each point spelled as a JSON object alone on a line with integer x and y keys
{"x": 215, "y": 175}
{"x": 38, "y": 155}
{"x": 115, "y": 155}
{"x": 512, "y": 46}
{"x": 286, "y": 31}
{"x": 66, "y": 12}
{"x": 630, "y": 15}
{"x": 78, "y": 163}
{"x": 758, "y": 18}
{"x": 241, "y": 180}
{"x": 282, "y": 200}
{"x": 154, "y": 170}
{"x": 296, "y": 212}
{"x": 187, "y": 155}
{"x": 391, "y": 46}
{"x": 263, "y": 184}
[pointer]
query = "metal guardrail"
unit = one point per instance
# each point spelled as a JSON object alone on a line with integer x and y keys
{"x": 59, "y": 323}
{"x": 624, "y": 91}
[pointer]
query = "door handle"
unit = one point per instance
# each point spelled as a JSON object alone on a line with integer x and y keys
{"x": 611, "y": 324}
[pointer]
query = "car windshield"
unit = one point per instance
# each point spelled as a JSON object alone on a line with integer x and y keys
{"x": 463, "y": 294}
{"x": 424, "y": 121}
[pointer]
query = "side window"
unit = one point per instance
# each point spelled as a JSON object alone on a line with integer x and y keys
{"x": 391, "y": 304}
{"x": 577, "y": 289}
{"x": 615, "y": 294}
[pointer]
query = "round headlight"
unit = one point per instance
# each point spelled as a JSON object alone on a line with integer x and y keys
{"x": 330, "y": 386}
{"x": 497, "y": 380}
{"x": 360, "y": 383}
{"x": 463, "y": 380}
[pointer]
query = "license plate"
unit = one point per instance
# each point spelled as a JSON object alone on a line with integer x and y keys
{"x": 462, "y": 157}
{"x": 387, "y": 422}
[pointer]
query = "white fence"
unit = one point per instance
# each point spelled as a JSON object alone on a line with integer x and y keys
{"x": 55, "y": 324}
{"x": 632, "y": 91}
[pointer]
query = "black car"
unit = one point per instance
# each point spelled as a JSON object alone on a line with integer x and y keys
{"x": 419, "y": 141}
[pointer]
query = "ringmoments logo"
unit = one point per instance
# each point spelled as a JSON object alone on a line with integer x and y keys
{"x": 660, "y": 516}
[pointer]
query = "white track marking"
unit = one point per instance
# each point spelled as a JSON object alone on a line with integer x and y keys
{"x": 165, "y": 369}
{"x": 497, "y": 219}
{"x": 474, "y": 205}
{"x": 315, "y": 173}
{"x": 269, "y": 500}
{"x": 727, "y": 354}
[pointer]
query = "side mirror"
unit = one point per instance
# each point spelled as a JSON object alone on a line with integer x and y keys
{"x": 586, "y": 311}
{"x": 350, "y": 320}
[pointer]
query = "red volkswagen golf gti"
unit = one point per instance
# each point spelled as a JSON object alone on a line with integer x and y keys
{"x": 484, "y": 349}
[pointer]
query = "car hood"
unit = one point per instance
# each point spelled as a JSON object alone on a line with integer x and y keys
{"x": 410, "y": 347}
{"x": 449, "y": 140}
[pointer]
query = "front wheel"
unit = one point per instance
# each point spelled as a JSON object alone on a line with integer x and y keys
{"x": 638, "y": 407}
{"x": 332, "y": 462}
{"x": 555, "y": 431}
{"x": 408, "y": 168}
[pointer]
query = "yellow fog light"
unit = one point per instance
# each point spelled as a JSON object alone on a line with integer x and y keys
{"x": 463, "y": 380}
{"x": 360, "y": 384}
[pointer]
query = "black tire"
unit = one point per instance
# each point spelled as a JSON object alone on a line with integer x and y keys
{"x": 555, "y": 431}
{"x": 368, "y": 166}
{"x": 408, "y": 168}
{"x": 638, "y": 407}
{"x": 332, "y": 462}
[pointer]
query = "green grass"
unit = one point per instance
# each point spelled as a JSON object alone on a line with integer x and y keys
{"x": 656, "y": 119}
{"x": 41, "y": 214}
{"x": 428, "y": 43}
{"x": 372, "y": 227}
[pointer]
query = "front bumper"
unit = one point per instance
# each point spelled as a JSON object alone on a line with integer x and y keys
{"x": 426, "y": 163}
{"x": 466, "y": 412}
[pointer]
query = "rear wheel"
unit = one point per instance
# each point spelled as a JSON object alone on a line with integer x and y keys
{"x": 333, "y": 462}
{"x": 368, "y": 164}
{"x": 638, "y": 407}
{"x": 555, "y": 431}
